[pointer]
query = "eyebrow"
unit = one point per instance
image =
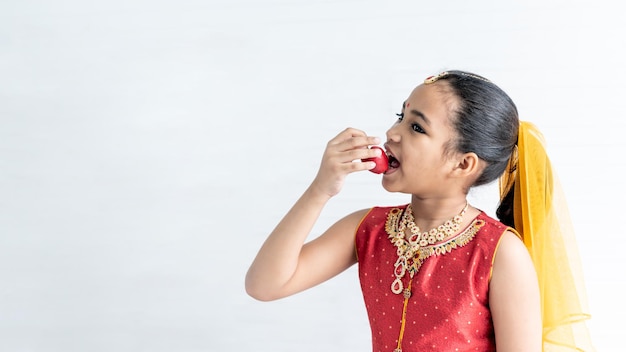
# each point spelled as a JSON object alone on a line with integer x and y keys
{"x": 417, "y": 113}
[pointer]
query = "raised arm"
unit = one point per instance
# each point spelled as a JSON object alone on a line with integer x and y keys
{"x": 514, "y": 298}
{"x": 285, "y": 264}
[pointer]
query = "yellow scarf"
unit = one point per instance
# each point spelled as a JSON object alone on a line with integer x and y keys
{"x": 542, "y": 219}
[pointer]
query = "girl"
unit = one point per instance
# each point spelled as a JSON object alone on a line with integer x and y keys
{"x": 437, "y": 273}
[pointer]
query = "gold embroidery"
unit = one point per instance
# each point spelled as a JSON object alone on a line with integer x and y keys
{"x": 392, "y": 225}
{"x": 393, "y": 228}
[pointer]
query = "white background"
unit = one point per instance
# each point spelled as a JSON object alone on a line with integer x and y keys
{"x": 148, "y": 147}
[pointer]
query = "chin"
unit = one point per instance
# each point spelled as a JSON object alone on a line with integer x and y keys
{"x": 389, "y": 186}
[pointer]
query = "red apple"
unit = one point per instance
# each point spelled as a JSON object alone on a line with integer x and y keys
{"x": 382, "y": 163}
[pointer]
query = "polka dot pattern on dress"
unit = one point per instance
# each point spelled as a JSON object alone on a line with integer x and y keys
{"x": 451, "y": 312}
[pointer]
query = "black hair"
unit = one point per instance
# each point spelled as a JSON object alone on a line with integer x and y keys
{"x": 486, "y": 123}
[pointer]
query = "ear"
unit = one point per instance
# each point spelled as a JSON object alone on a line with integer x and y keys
{"x": 468, "y": 165}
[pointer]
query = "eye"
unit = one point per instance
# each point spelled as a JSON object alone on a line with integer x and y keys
{"x": 417, "y": 128}
{"x": 400, "y": 116}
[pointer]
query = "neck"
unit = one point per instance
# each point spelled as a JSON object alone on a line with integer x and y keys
{"x": 430, "y": 213}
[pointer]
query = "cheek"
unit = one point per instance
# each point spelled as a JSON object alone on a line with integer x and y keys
{"x": 429, "y": 162}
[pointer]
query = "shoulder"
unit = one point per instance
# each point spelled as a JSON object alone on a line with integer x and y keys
{"x": 377, "y": 214}
{"x": 386, "y": 210}
{"x": 512, "y": 265}
{"x": 492, "y": 224}
{"x": 511, "y": 251}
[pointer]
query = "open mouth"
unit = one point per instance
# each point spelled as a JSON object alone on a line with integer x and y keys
{"x": 393, "y": 162}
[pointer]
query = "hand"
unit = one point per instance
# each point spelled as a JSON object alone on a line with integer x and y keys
{"x": 343, "y": 156}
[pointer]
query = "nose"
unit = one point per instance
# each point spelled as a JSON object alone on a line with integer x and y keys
{"x": 393, "y": 134}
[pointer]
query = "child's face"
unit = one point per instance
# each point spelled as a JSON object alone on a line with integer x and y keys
{"x": 418, "y": 140}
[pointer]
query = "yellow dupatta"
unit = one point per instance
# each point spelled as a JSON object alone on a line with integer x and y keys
{"x": 542, "y": 219}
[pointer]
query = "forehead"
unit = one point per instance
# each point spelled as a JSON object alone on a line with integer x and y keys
{"x": 432, "y": 100}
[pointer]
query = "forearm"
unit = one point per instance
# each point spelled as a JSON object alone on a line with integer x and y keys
{"x": 282, "y": 267}
{"x": 277, "y": 260}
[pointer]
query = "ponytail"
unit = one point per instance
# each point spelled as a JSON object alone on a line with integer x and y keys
{"x": 505, "y": 210}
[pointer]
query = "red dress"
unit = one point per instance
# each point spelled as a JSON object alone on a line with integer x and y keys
{"x": 448, "y": 309}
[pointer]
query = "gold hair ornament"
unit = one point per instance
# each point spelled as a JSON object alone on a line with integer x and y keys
{"x": 433, "y": 79}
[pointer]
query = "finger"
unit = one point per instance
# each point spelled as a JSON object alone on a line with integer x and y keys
{"x": 367, "y": 165}
{"x": 359, "y": 165}
{"x": 351, "y": 161}
{"x": 360, "y": 153}
{"x": 373, "y": 153}
{"x": 354, "y": 132}
{"x": 347, "y": 134}
{"x": 360, "y": 142}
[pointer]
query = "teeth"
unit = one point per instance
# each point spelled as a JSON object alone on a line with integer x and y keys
{"x": 393, "y": 162}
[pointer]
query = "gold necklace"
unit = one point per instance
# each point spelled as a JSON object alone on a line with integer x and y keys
{"x": 410, "y": 250}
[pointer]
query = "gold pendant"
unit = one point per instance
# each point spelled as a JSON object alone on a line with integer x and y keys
{"x": 396, "y": 286}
